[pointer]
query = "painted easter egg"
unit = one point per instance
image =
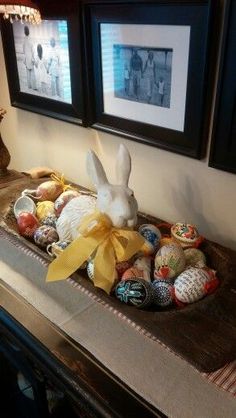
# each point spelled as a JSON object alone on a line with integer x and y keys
{"x": 48, "y": 190}
{"x": 44, "y": 209}
{"x": 166, "y": 240}
{"x": 192, "y": 284}
{"x": 45, "y": 235}
{"x": 194, "y": 257}
{"x": 50, "y": 220}
{"x": 132, "y": 273}
{"x": 24, "y": 204}
{"x": 164, "y": 293}
{"x": 27, "y": 224}
{"x": 122, "y": 266}
{"x": 90, "y": 269}
{"x": 136, "y": 292}
{"x": 169, "y": 262}
{"x": 141, "y": 269}
{"x": 185, "y": 234}
{"x": 63, "y": 199}
{"x": 151, "y": 234}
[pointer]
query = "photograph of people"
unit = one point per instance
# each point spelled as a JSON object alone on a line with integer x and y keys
{"x": 29, "y": 61}
{"x": 143, "y": 74}
{"x": 136, "y": 69}
{"x": 41, "y": 70}
{"x": 54, "y": 68}
{"x": 149, "y": 72}
{"x": 42, "y": 55}
{"x": 161, "y": 90}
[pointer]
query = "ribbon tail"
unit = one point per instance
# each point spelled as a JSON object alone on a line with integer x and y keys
{"x": 104, "y": 266}
{"x": 132, "y": 243}
{"x": 72, "y": 258}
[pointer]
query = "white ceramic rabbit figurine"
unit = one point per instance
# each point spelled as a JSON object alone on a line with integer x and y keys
{"x": 116, "y": 201}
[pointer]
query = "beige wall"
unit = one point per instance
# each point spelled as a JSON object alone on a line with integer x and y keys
{"x": 167, "y": 185}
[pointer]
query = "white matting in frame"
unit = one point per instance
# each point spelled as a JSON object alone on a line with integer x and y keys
{"x": 118, "y": 43}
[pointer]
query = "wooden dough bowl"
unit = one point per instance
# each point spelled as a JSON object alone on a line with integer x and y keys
{"x": 203, "y": 333}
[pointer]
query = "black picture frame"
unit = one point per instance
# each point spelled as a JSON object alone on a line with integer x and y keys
{"x": 70, "y": 111}
{"x": 223, "y": 145}
{"x": 197, "y": 15}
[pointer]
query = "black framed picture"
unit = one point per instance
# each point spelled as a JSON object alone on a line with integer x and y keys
{"x": 148, "y": 73}
{"x": 223, "y": 147}
{"x": 43, "y": 65}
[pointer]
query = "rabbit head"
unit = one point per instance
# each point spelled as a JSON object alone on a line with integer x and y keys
{"x": 116, "y": 201}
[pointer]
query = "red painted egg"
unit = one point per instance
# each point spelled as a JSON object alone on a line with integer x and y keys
{"x": 27, "y": 224}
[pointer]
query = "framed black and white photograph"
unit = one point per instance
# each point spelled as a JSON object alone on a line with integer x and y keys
{"x": 44, "y": 67}
{"x": 149, "y": 73}
{"x": 223, "y": 145}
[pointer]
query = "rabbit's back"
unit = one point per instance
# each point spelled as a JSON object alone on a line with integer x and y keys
{"x": 72, "y": 214}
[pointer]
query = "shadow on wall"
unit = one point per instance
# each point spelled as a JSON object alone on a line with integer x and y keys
{"x": 189, "y": 203}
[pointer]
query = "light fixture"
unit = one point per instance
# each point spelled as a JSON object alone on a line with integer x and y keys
{"x": 23, "y": 10}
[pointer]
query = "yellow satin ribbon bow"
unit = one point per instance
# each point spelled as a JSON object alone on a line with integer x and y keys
{"x": 112, "y": 245}
{"x": 61, "y": 181}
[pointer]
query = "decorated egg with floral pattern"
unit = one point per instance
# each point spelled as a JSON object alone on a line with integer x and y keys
{"x": 45, "y": 235}
{"x": 169, "y": 262}
{"x": 185, "y": 234}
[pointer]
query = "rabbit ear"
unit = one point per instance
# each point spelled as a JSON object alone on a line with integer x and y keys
{"x": 123, "y": 166}
{"x": 95, "y": 170}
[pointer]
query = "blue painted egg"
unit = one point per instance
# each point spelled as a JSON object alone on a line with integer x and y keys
{"x": 152, "y": 235}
